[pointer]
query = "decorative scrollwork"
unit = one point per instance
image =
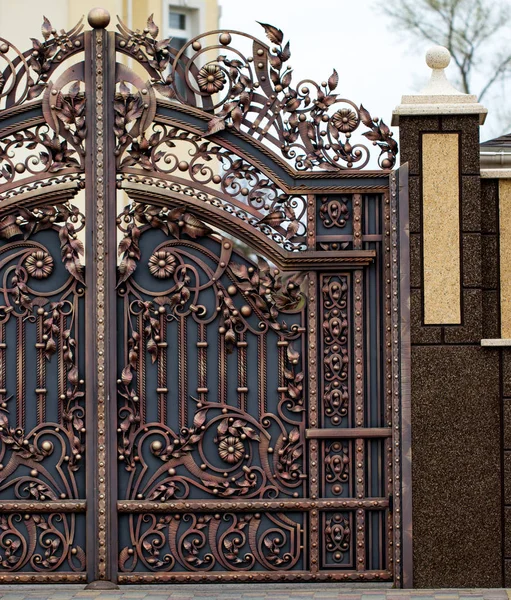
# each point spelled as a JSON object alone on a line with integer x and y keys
{"x": 309, "y": 123}
{"x": 334, "y": 212}
{"x": 24, "y": 263}
{"x": 259, "y": 456}
{"x": 26, "y": 75}
{"x": 335, "y": 347}
{"x": 337, "y": 466}
{"x": 45, "y": 543}
{"x": 337, "y": 536}
{"x": 48, "y": 154}
{"x": 203, "y": 542}
{"x": 236, "y": 182}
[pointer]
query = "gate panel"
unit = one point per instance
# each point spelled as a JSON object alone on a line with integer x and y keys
{"x": 42, "y": 409}
{"x": 211, "y": 402}
{"x": 241, "y": 335}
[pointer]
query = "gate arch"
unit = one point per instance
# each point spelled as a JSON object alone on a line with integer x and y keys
{"x": 199, "y": 353}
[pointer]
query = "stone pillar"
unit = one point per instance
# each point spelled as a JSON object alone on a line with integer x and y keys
{"x": 456, "y": 462}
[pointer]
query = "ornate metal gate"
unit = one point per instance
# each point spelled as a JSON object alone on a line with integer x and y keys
{"x": 199, "y": 323}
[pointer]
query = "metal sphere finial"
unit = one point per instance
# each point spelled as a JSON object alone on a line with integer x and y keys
{"x": 98, "y": 18}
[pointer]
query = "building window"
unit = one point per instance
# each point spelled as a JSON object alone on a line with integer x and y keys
{"x": 178, "y": 27}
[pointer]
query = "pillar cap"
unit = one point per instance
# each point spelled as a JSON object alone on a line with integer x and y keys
{"x": 439, "y": 97}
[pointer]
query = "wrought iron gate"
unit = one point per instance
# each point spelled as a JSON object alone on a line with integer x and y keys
{"x": 199, "y": 324}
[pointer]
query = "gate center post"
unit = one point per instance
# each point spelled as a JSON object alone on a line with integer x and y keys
{"x": 101, "y": 320}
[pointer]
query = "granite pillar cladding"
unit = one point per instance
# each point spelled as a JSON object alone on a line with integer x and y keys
{"x": 456, "y": 406}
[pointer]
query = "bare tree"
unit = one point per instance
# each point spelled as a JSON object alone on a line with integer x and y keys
{"x": 474, "y": 31}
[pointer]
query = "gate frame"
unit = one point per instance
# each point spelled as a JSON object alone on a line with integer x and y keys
{"x": 101, "y": 192}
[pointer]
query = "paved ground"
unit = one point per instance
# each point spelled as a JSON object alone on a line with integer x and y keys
{"x": 253, "y": 591}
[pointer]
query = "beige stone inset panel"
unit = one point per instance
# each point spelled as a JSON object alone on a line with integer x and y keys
{"x": 505, "y": 256}
{"x": 441, "y": 228}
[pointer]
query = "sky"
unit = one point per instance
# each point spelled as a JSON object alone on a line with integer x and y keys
{"x": 376, "y": 64}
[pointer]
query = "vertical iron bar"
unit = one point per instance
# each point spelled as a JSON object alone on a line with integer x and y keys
{"x": 20, "y": 367}
{"x": 182, "y": 342}
{"x": 202, "y": 345}
{"x": 3, "y": 364}
{"x": 141, "y": 370}
{"x": 100, "y": 327}
{"x": 162, "y": 371}
{"x": 222, "y": 369}
{"x": 242, "y": 372}
{"x": 61, "y": 367}
{"x": 313, "y": 408}
{"x": 41, "y": 369}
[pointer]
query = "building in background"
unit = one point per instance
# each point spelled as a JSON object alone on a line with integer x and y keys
{"x": 179, "y": 19}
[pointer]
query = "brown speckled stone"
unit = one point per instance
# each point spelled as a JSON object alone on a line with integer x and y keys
{"x": 472, "y": 276}
{"x": 507, "y": 478}
{"x": 507, "y": 573}
{"x": 471, "y": 330}
{"x": 490, "y": 261}
{"x": 470, "y": 203}
{"x": 414, "y": 196}
{"x": 489, "y": 205}
{"x": 507, "y": 532}
{"x": 507, "y": 430}
{"x": 468, "y": 125}
{"x": 491, "y": 314}
{"x": 410, "y": 131}
{"x": 457, "y": 525}
{"x": 456, "y": 467}
{"x": 506, "y": 372}
{"x": 415, "y": 260}
{"x": 419, "y": 333}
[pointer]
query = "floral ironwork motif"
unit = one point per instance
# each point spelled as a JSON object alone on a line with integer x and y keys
{"x": 53, "y": 154}
{"x": 345, "y": 120}
{"x": 58, "y": 144}
{"x": 211, "y": 79}
{"x": 39, "y": 264}
{"x": 231, "y": 449}
{"x": 162, "y": 264}
{"x": 308, "y": 123}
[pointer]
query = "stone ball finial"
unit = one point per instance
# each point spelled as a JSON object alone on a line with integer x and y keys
{"x": 438, "y": 57}
{"x": 98, "y": 18}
